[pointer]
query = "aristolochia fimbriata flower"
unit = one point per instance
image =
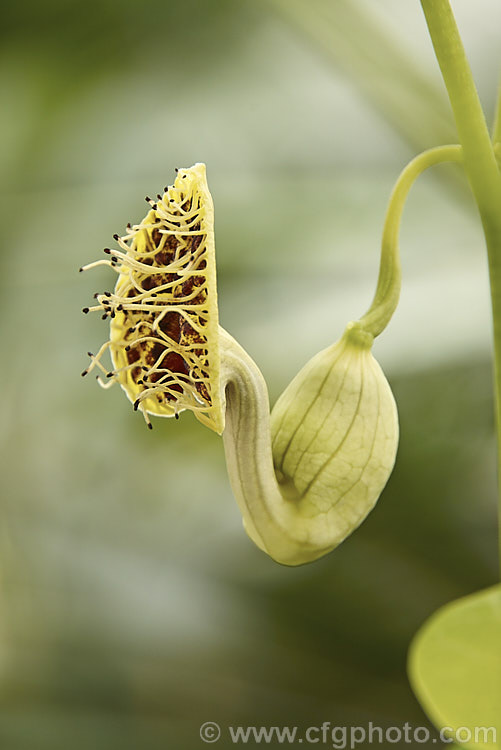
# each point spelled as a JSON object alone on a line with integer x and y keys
{"x": 303, "y": 480}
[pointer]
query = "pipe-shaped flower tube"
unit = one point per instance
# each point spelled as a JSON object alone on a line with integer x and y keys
{"x": 305, "y": 477}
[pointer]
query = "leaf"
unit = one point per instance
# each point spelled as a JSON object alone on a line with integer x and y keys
{"x": 455, "y": 667}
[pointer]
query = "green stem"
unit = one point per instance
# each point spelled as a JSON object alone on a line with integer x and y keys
{"x": 497, "y": 151}
{"x": 479, "y": 161}
{"x": 385, "y": 300}
{"x": 496, "y": 130}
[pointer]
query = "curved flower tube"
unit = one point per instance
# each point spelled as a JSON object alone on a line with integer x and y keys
{"x": 306, "y": 476}
{"x": 308, "y": 479}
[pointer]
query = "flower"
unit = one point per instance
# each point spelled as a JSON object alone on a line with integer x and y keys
{"x": 303, "y": 480}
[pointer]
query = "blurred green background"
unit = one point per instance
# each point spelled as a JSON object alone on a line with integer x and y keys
{"x": 133, "y": 606}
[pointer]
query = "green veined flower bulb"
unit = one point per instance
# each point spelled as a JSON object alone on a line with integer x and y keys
{"x": 335, "y": 436}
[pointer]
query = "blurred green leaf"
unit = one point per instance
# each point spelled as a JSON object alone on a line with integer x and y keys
{"x": 455, "y": 666}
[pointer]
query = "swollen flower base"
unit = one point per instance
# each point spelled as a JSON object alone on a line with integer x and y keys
{"x": 305, "y": 479}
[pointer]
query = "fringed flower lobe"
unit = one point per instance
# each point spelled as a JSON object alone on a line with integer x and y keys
{"x": 163, "y": 311}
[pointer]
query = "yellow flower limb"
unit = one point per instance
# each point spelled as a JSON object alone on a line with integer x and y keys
{"x": 163, "y": 310}
{"x": 387, "y": 294}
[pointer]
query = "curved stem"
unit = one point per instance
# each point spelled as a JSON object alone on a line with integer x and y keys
{"x": 387, "y": 294}
{"x": 479, "y": 161}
